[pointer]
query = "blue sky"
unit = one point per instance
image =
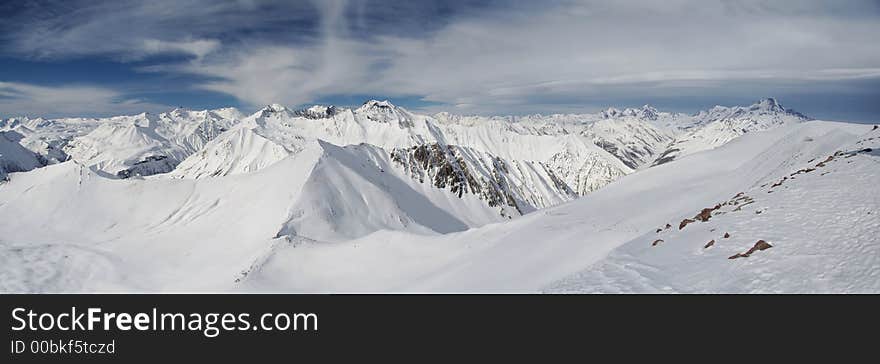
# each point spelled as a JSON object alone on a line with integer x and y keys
{"x": 92, "y": 58}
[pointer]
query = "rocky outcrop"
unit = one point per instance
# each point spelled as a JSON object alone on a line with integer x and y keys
{"x": 495, "y": 180}
{"x": 760, "y": 245}
{"x": 154, "y": 164}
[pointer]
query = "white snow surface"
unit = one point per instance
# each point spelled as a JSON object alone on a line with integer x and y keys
{"x": 379, "y": 199}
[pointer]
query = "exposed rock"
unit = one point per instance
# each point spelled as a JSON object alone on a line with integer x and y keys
{"x": 704, "y": 215}
{"x": 490, "y": 178}
{"x": 154, "y": 164}
{"x": 777, "y": 184}
{"x": 684, "y": 223}
{"x": 710, "y": 243}
{"x": 658, "y": 241}
{"x": 760, "y": 245}
{"x": 822, "y": 163}
{"x": 726, "y": 235}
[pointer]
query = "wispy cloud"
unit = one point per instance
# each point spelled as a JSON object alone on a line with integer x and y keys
{"x": 497, "y": 57}
{"x": 18, "y": 99}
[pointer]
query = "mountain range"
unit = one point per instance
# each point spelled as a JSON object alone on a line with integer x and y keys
{"x": 283, "y": 199}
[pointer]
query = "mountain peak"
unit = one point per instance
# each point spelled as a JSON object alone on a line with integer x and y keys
{"x": 317, "y": 112}
{"x": 275, "y": 108}
{"x": 384, "y": 104}
{"x": 769, "y": 104}
{"x": 385, "y": 112}
{"x": 610, "y": 113}
{"x": 272, "y": 109}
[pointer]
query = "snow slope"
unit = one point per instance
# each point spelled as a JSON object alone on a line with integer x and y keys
{"x": 501, "y": 162}
{"x": 537, "y": 250}
{"x": 148, "y": 234}
{"x": 818, "y": 213}
{"x": 246, "y": 232}
{"x": 301, "y": 201}
{"x": 14, "y": 157}
{"x": 147, "y": 144}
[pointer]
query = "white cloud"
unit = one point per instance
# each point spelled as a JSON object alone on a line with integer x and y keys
{"x": 568, "y": 52}
{"x": 19, "y": 99}
{"x": 198, "y": 48}
{"x": 572, "y": 51}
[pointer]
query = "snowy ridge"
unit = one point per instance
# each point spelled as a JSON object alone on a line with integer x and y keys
{"x": 14, "y": 157}
{"x": 720, "y": 125}
{"x": 796, "y": 231}
{"x": 518, "y": 164}
{"x": 546, "y": 250}
{"x": 381, "y": 199}
{"x": 127, "y": 144}
{"x": 536, "y": 169}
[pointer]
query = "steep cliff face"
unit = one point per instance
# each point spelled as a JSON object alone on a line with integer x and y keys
{"x": 447, "y": 167}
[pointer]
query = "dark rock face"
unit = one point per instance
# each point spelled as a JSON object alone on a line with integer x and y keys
{"x": 629, "y": 158}
{"x": 490, "y": 178}
{"x": 666, "y": 157}
{"x": 636, "y": 148}
{"x": 444, "y": 167}
{"x": 154, "y": 164}
{"x": 656, "y": 242}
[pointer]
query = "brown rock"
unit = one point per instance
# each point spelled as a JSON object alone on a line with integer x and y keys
{"x": 668, "y": 226}
{"x": 777, "y": 184}
{"x": 704, "y": 215}
{"x": 684, "y": 223}
{"x": 822, "y": 163}
{"x": 760, "y": 245}
{"x": 726, "y": 235}
{"x": 658, "y": 241}
{"x": 710, "y": 243}
{"x": 659, "y": 230}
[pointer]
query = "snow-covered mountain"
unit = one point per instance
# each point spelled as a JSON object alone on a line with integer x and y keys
{"x": 516, "y": 164}
{"x": 714, "y": 127}
{"x": 123, "y": 146}
{"x": 512, "y": 168}
{"x": 356, "y": 223}
{"x": 379, "y": 198}
{"x": 146, "y": 144}
{"x": 14, "y": 157}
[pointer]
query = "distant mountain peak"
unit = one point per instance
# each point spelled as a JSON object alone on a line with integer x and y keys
{"x": 272, "y": 109}
{"x": 376, "y": 104}
{"x": 275, "y": 108}
{"x": 769, "y": 104}
{"x": 317, "y": 111}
